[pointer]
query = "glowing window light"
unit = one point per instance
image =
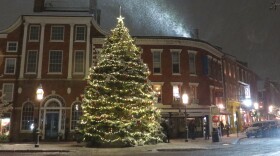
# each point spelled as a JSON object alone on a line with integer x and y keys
{"x": 40, "y": 92}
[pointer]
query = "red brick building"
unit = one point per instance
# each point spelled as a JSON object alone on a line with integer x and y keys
{"x": 240, "y": 91}
{"x": 55, "y": 50}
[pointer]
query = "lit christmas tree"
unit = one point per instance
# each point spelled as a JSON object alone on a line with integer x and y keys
{"x": 4, "y": 105}
{"x": 118, "y": 102}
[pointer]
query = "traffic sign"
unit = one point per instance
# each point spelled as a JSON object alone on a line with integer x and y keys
{"x": 215, "y": 118}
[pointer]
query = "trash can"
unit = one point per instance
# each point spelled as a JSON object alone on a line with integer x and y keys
{"x": 215, "y": 135}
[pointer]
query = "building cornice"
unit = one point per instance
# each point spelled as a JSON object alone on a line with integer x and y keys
{"x": 171, "y": 41}
{"x": 11, "y": 27}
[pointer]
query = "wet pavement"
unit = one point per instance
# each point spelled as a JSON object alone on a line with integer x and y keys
{"x": 174, "y": 145}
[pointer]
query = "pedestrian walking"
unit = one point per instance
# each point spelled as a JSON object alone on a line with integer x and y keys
{"x": 227, "y": 127}
{"x": 221, "y": 128}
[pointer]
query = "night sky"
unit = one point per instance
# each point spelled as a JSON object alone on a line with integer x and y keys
{"x": 247, "y": 29}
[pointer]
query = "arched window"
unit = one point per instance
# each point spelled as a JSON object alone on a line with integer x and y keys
{"x": 27, "y": 119}
{"x": 76, "y": 114}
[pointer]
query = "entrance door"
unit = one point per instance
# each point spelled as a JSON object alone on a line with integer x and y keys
{"x": 51, "y": 125}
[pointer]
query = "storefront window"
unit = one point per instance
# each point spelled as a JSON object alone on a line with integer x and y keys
{"x": 5, "y": 126}
{"x": 158, "y": 90}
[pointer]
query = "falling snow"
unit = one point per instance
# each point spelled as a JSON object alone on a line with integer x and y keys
{"x": 155, "y": 14}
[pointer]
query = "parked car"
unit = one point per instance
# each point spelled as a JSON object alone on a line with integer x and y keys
{"x": 263, "y": 129}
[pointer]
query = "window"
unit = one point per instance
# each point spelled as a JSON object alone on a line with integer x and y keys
{"x": 27, "y": 116}
{"x": 12, "y": 46}
{"x": 176, "y": 92}
{"x": 192, "y": 66}
{"x": 158, "y": 89}
{"x": 156, "y": 61}
{"x": 193, "y": 93}
{"x": 205, "y": 65}
{"x": 211, "y": 95}
{"x": 55, "y": 61}
{"x": 95, "y": 56}
{"x": 210, "y": 66}
{"x": 225, "y": 67}
{"x": 57, "y": 33}
{"x": 34, "y": 32}
{"x": 233, "y": 71}
{"x": 8, "y": 90}
{"x": 31, "y": 65}
{"x": 10, "y": 65}
{"x": 79, "y": 61}
{"x": 175, "y": 62}
{"x": 76, "y": 114}
{"x": 229, "y": 69}
{"x": 237, "y": 73}
{"x": 80, "y": 33}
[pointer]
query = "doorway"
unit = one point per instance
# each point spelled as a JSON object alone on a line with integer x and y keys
{"x": 51, "y": 125}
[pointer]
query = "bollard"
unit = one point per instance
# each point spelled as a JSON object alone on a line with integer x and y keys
{"x": 38, "y": 137}
{"x": 187, "y": 134}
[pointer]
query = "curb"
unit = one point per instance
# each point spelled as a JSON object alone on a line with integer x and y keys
{"x": 181, "y": 149}
{"x": 35, "y": 151}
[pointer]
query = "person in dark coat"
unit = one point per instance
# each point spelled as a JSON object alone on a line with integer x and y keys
{"x": 227, "y": 127}
{"x": 192, "y": 128}
{"x": 222, "y": 126}
{"x": 166, "y": 131}
{"x": 206, "y": 131}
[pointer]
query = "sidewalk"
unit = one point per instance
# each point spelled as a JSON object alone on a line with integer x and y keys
{"x": 174, "y": 145}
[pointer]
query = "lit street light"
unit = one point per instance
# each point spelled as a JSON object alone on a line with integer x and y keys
{"x": 40, "y": 96}
{"x": 185, "y": 100}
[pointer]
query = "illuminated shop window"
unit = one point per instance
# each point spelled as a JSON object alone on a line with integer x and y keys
{"x": 158, "y": 89}
{"x": 176, "y": 93}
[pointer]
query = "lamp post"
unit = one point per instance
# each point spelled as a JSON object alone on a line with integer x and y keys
{"x": 185, "y": 100}
{"x": 39, "y": 96}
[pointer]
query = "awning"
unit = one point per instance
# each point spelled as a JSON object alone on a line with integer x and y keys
{"x": 224, "y": 112}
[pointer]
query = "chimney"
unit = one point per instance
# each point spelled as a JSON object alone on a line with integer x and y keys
{"x": 38, "y": 5}
{"x": 195, "y": 34}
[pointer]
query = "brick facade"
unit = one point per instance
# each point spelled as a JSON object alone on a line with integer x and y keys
{"x": 62, "y": 90}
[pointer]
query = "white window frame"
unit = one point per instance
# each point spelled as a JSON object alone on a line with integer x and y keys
{"x": 6, "y": 63}
{"x": 10, "y": 94}
{"x": 193, "y": 96}
{"x": 61, "y": 62}
{"x": 178, "y": 98}
{"x": 211, "y": 89}
{"x": 157, "y": 64}
{"x": 83, "y": 61}
{"x": 27, "y": 62}
{"x": 21, "y": 121}
{"x": 192, "y": 69}
{"x": 8, "y": 46}
{"x": 63, "y": 33}
{"x": 38, "y": 36}
{"x": 158, "y": 92}
{"x": 178, "y": 51}
{"x": 71, "y": 121}
{"x": 76, "y": 33}
{"x": 210, "y": 65}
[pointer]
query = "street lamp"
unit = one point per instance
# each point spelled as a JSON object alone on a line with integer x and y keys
{"x": 185, "y": 100}
{"x": 256, "y": 105}
{"x": 40, "y": 96}
{"x": 40, "y": 92}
